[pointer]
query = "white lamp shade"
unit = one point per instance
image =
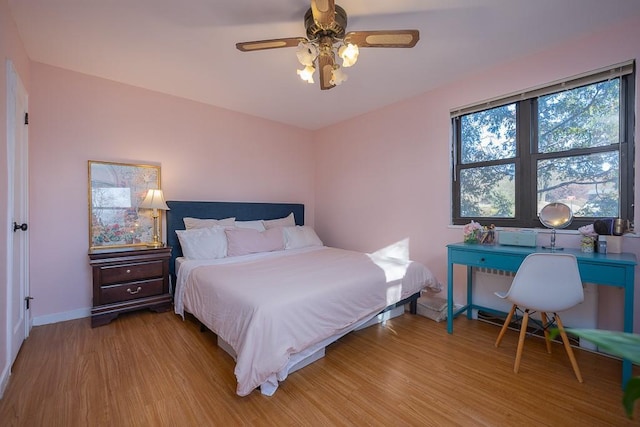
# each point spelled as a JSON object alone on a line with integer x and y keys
{"x": 349, "y": 54}
{"x": 338, "y": 76}
{"x": 306, "y": 74}
{"x": 154, "y": 200}
{"x": 306, "y": 53}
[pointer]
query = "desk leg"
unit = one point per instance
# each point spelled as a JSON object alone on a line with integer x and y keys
{"x": 627, "y": 366}
{"x": 450, "y": 298}
{"x": 469, "y": 291}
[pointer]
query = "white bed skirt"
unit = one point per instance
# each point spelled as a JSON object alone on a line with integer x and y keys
{"x": 308, "y": 356}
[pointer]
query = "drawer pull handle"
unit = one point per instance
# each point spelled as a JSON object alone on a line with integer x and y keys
{"x": 128, "y": 271}
{"x": 482, "y": 259}
{"x": 134, "y": 292}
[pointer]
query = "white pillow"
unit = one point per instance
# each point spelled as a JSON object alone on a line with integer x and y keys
{"x": 191, "y": 223}
{"x": 300, "y": 236}
{"x": 254, "y": 225}
{"x": 288, "y": 221}
{"x": 203, "y": 243}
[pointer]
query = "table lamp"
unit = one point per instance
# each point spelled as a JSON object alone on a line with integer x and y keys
{"x": 155, "y": 200}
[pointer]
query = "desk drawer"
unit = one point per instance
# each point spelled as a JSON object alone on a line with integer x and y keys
{"x": 501, "y": 261}
{"x": 129, "y": 291}
{"x": 605, "y": 274}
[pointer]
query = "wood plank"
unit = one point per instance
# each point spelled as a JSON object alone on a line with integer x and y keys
{"x": 155, "y": 369}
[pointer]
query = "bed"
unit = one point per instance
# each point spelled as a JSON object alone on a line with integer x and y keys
{"x": 275, "y": 311}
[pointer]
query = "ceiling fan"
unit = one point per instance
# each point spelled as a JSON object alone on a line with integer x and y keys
{"x": 326, "y": 23}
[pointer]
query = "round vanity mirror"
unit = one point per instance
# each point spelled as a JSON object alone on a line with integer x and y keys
{"x": 555, "y": 215}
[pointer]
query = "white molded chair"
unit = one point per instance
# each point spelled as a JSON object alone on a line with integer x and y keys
{"x": 546, "y": 283}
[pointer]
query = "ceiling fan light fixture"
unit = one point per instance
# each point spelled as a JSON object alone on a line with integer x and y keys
{"x": 349, "y": 54}
{"x": 314, "y": 53}
{"x": 307, "y": 53}
{"x": 306, "y": 73}
{"x": 327, "y": 39}
{"x": 338, "y": 76}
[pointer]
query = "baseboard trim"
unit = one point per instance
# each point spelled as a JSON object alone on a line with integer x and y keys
{"x": 4, "y": 380}
{"x": 61, "y": 317}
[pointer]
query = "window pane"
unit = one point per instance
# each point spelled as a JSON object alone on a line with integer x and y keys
{"x": 488, "y": 191}
{"x": 579, "y": 118}
{"x": 489, "y": 135}
{"x": 588, "y": 184}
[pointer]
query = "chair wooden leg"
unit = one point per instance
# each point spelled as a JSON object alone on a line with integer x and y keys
{"x": 523, "y": 333}
{"x": 543, "y": 316}
{"x": 567, "y": 347}
{"x": 506, "y": 324}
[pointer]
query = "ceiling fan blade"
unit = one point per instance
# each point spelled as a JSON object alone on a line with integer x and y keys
{"x": 325, "y": 68}
{"x": 269, "y": 44}
{"x": 390, "y": 38}
{"x": 324, "y": 12}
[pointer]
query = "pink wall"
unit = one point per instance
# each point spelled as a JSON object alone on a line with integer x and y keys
{"x": 11, "y": 48}
{"x": 206, "y": 153}
{"x": 385, "y": 176}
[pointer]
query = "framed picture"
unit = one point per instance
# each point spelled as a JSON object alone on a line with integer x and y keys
{"x": 115, "y": 192}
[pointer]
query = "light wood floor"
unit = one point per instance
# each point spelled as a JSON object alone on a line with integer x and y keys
{"x": 149, "y": 369}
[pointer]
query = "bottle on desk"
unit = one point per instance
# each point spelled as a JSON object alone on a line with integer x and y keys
{"x": 601, "y": 245}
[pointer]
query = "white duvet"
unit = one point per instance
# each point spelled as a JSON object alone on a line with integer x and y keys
{"x": 270, "y": 306}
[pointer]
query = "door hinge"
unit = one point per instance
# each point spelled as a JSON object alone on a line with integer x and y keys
{"x": 26, "y": 118}
{"x": 27, "y": 301}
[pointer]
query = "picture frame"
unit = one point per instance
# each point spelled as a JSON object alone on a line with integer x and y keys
{"x": 115, "y": 192}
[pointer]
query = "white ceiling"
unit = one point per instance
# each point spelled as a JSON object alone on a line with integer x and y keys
{"x": 187, "y": 48}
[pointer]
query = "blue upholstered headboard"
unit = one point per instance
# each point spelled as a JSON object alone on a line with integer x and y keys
{"x": 242, "y": 211}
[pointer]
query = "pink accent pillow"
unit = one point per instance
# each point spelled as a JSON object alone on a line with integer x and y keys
{"x": 243, "y": 241}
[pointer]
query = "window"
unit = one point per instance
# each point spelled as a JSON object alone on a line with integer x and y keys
{"x": 569, "y": 142}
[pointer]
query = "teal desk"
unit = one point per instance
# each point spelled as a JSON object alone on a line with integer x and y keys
{"x": 602, "y": 269}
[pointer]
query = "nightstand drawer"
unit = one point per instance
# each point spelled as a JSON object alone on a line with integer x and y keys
{"x": 128, "y": 272}
{"x": 132, "y": 290}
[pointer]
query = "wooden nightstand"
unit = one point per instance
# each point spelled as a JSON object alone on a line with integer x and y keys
{"x": 127, "y": 279}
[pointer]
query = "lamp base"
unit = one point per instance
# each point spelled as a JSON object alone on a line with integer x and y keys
{"x": 155, "y": 243}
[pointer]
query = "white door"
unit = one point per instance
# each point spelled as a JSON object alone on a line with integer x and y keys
{"x": 17, "y": 162}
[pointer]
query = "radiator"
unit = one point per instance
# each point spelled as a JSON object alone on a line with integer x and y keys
{"x": 495, "y": 271}
{"x": 487, "y": 281}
